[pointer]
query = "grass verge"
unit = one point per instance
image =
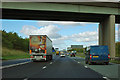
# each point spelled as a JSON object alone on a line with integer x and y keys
{"x": 8, "y": 54}
{"x": 80, "y": 55}
{"x": 115, "y": 61}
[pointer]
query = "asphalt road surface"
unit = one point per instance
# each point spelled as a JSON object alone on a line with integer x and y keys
{"x": 64, "y": 67}
{"x": 10, "y": 62}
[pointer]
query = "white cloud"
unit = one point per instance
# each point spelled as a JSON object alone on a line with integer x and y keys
{"x": 50, "y": 30}
{"x": 44, "y": 23}
{"x": 117, "y": 25}
{"x": 82, "y": 37}
{"x": 91, "y": 44}
{"x": 88, "y": 38}
{"x": 118, "y": 33}
{"x": 69, "y": 23}
{"x": 57, "y": 39}
{"x": 27, "y": 30}
{"x": 59, "y": 43}
{"x": 63, "y": 23}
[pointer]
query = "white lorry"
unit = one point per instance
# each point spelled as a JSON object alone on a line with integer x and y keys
{"x": 40, "y": 48}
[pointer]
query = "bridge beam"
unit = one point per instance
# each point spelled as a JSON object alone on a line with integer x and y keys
{"x": 107, "y": 33}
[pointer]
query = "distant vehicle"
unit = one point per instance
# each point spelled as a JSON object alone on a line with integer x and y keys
{"x": 67, "y": 54}
{"x": 62, "y": 55}
{"x": 97, "y": 54}
{"x": 57, "y": 52}
{"x": 40, "y": 48}
{"x": 73, "y": 53}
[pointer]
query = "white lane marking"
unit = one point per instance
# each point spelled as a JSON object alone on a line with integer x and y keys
{"x": 25, "y": 79}
{"x": 1, "y": 67}
{"x": 50, "y": 62}
{"x": 86, "y": 67}
{"x": 106, "y": 78}
{"x": 78, "y": 62}
{"x": 44, "y": 67}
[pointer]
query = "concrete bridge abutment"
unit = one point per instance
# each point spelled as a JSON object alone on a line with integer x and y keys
{"x": 107, "y": 33}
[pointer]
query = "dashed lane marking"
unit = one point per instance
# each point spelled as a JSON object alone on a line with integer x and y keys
{"x": 25, "y": 79}
{"x": 50, "y": 62}
{"x": 86, "y": 67}
{"x": 106, "y": 78}
{"x": 78, "y": 62}
{"x": 44, "y": 67}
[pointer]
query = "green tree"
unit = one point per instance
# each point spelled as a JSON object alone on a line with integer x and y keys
{"x": 118, "y": 49}
{"x": 13, "y": 41}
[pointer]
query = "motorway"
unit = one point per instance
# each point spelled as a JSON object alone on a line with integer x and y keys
{"x": 64, "y": 67}
{"x": 11, "y": 62}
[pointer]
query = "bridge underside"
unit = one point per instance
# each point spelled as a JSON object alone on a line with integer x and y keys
{"x": 106, "y": 26}
{"x": 54, "y": 15}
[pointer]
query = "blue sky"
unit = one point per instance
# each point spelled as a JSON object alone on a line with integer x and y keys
{"x": 16, "y": 26}
{"x": 63, "y": 34}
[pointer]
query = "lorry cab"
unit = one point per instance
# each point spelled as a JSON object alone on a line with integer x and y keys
{"x": 97, "y": 54}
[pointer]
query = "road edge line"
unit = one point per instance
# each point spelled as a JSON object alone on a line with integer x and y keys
{"x": 2, "y": 67}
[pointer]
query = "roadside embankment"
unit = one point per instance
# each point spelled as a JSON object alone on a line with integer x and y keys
{"x": 8, "y": 54}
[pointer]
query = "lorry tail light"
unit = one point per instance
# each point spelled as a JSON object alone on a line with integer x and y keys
{"x": 44, "y": 56}
{"x": 45, "y": 51}
{"x": 30, "y": 51}
{"x": 108, "y": 56}
{"x": 31, "y": 56}
{"x": 90, "y": 56}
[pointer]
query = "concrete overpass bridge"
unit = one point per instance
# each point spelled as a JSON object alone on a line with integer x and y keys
{"x": 106, "y": 14}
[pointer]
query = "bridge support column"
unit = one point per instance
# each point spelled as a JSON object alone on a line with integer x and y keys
{"x": 107, "y": 34}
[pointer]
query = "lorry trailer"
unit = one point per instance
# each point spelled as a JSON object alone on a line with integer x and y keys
{"x": 40, "y": 47}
